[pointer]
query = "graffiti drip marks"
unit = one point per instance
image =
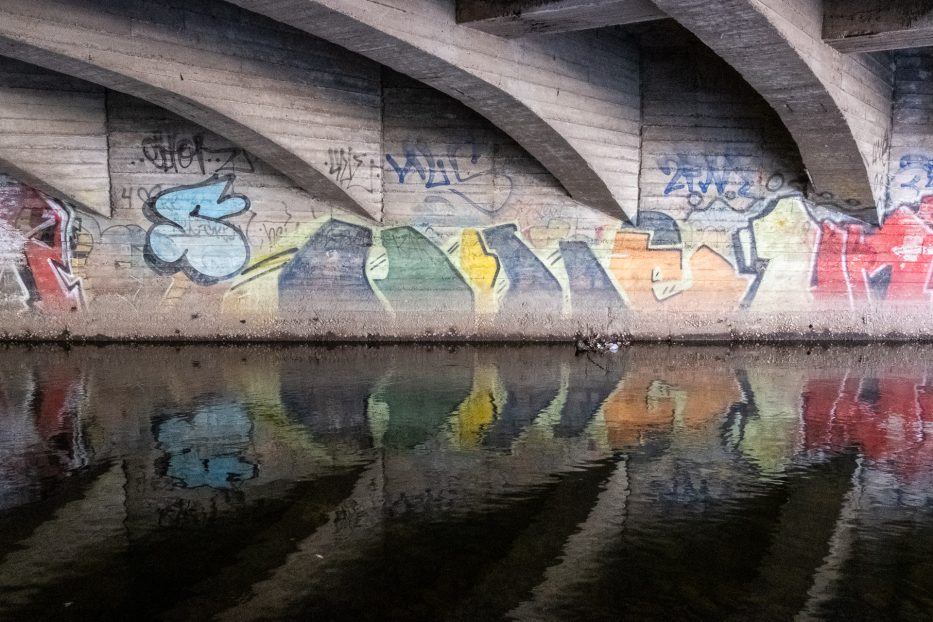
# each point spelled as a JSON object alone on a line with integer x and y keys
{"x": 192, "y": 233}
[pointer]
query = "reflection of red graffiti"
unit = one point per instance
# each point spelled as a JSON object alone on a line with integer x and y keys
{"x": 56, "y": 405}
{"x": 43, "y": 226}
{"x": 893, "y": 263}
{"x": 889, "y": 419}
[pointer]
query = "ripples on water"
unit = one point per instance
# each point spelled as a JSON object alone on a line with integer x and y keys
{"x": 395, "y": 483}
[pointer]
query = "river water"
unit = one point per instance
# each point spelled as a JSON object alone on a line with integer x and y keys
{"x": 466, "y": 483}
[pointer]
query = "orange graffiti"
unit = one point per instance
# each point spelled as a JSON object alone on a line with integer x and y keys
{"x": 651, "y": 278}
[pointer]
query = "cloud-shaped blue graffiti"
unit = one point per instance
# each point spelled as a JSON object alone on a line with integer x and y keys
{"x": 191, "y": 233}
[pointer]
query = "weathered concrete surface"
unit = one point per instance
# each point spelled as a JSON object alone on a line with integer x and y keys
{"x": 877, "y": 25}
{"x": 474, "y": 237}
{"x": 712, "y": 148}
{"x": 523, "y": 17}
{"x": 570, "y": 100}
{"x": 911, "y": 168}
{"x": 257, "y": 83}
{"x": 53, "y": 135}
{"x": 836, "y": 107}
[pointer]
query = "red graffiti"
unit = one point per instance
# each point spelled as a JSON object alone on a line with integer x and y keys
{"x": 892, "y": 263}
{"x": 889, "y": 419}
{"x": 43, "y": 227}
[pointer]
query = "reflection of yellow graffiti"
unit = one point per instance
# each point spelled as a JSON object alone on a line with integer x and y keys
{"x": 480, "y": 409}
{"x": 480, "y": 267}
{"x": 649, "y": 400}
{"x": 651, "y": 278}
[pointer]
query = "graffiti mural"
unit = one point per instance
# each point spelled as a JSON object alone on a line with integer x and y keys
{"x": 329, "y": 272}
{"x": 891, "y": 264}
{"x": 38, "y": 243}
{"x": 473, "y": 234}
{"x": 191, "y": 232}
{"x": 459, "y": 173}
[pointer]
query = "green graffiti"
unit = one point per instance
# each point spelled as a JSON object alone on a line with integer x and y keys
{"x": 420, "y": 277}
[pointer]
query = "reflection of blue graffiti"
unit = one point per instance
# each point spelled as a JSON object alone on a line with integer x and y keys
{"x": 457, "y": 166}
{"x": 191, "y": 233}
{"x": 701, "y": 173}
{"x": 206, "y": 449}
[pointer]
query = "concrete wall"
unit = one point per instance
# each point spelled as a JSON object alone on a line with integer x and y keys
{"x": 475, "y": 238}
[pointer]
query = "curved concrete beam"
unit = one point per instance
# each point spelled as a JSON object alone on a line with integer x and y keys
{"x": 279, "y": 94}
{"x": 837, "y": 108}
{"x": 517, "y": 18}
{"x": 53, "y": 135}
{"x": 877, "y": 25}
{"x": 571, "y": 100}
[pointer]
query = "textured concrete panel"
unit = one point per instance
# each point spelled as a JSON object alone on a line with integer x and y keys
{"x": 53, "y": 134}
{"x": 295, "y": 102}
{"x": 877, "y": 25}
{"x": 571, "y": 100}
{"x": 523, "y": 17}
{"x": 836, "y": 107}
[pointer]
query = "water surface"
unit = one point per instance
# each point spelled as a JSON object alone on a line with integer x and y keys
{"x": 523, "y": 483}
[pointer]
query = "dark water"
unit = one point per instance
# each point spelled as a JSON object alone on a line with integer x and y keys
{"x": 199, "y": 483}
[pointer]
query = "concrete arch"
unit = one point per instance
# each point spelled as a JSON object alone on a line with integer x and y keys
{"x": 53, "y": 135}
{"x": 836, "y": 107}
{"x": 571, "y": 100}
{"x": 283, "y": 96}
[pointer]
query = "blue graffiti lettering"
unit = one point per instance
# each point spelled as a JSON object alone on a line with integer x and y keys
{"x": 703, "y": 173}
{"x": 191, "y": 233}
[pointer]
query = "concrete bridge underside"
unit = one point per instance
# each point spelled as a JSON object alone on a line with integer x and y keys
{"x": 570, "y": 98}
{"x": 468, "y": 168}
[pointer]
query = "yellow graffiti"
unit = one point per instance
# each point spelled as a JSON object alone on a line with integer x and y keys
{"x": 481, "y": 268}
{"x": 255, "y": 291}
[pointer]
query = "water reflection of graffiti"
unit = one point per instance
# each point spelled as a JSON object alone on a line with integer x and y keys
{"x": 191, "y": 232}
{"x": 41, "y": 412}
{"x": 456, "y": 172}
{"x": 207, "y": 448}
{"x": 318, "y": 457}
